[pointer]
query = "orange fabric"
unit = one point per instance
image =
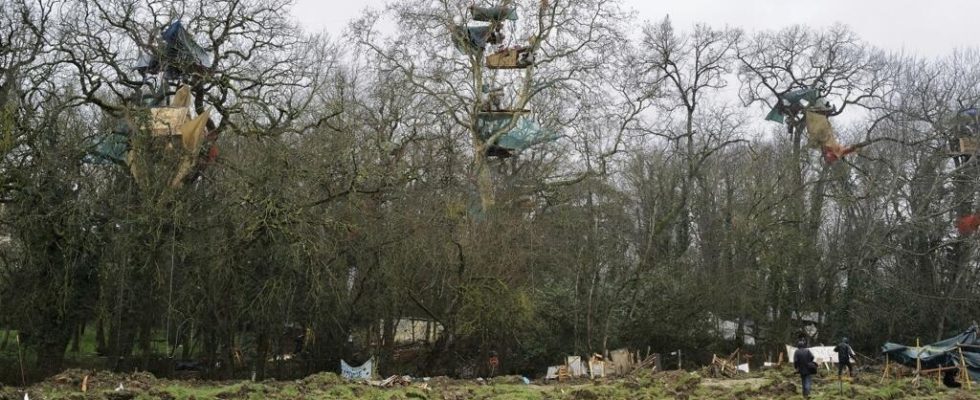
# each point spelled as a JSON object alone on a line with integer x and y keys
{"x": 968, "y": 224}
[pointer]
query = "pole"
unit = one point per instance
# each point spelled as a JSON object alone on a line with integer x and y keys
{"x": 918, "y": 358}
{"x": 966, "y": 373}
{"x": 170, "y": 290}
{"x": 20, "y": 360}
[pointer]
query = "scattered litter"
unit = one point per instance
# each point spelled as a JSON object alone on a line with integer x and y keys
{"x": 394, "y": 380}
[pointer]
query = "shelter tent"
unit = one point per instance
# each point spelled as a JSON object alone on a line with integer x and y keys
{"x": 493, "y": 14}
{"x": 944, "y": 353}
{"x": 111, "y": 148}
{"x": 177, "y": 53}
{"x": 792, "y": 102}
{"x": 524, "y": 133}
{"x": 473, "y": 39}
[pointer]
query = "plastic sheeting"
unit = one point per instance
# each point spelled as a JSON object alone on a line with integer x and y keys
{"x": 944, "y": 353}
{"x": 524, "y": 134}
{"x": 361, "y": 373}
{"x": 597, "y": 368}
{"x": 492, "y": 14}
{"x": 473, "y": 39}
{"x": 576, "y": 367}
{"x": 821, "y": 354}
{"x": 792, "y": 100}
{"x": 111, "y": 148}
{"x": 177, "y": 53}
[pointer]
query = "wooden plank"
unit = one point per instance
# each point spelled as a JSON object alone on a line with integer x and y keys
{"x": 968, "y": 145}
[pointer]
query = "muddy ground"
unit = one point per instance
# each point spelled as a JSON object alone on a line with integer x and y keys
{"x": 773, "y": 384}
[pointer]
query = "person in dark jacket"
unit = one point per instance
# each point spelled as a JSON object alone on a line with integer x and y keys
{"x": 804, "y": 364}
{"x": 844, "y": 354}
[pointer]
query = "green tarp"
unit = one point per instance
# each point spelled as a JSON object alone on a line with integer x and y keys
{"x": 111, "y": 148}
{"x": 792, "y": 100}
{"x": 525, "y": 133}
{"x": 490, "y": 14}
{"x": 945, "y": 353}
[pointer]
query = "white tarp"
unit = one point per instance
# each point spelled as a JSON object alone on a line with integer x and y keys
{"x": 361, "y": 373}
{"x": 552, "y": 373}
{"x": 576, "y": 368}
{"x": 597, "y": 368}
{"x": 744, "y": 367}
{"x": 821, "y": 354}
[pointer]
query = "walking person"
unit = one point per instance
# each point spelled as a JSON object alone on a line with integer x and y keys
{"x": 844, "y": 355}
{"x": 805, "y": 366}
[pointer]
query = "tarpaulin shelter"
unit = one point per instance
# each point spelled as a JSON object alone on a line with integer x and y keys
{"x": 111, "y": 148}
{"x": 944, "y": 353}
{"x": 493, "y": 14}
{"x": 790, "y": 101}
{"x": 173, "y": 127}
{"x": 177, "y": 53}
{"x": 473, "y": 39}
{"x": 524, "y": 133}
{"x": 966, "y": 128}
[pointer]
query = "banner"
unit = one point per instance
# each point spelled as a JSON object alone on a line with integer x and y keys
{"x": 361, "y": 373}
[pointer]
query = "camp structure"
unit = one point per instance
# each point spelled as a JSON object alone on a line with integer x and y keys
{"x": 176, "y": 53}
{"x": 815, "y": 111}
{"x": 151, "y": 129}
{"x": 794, "y": 101}
{"x": 170, "y": 131}
{"x": 493, "y": 14}
{"x": 510, "y": 58}
{"x": 516, "y": 132}
{"x": 474, "y": 39}
{"x": 960, "y": 352}
{"x": 966, "y": 132}
{"x": 505, "y": 131}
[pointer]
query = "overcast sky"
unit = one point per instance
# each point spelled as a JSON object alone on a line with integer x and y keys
{"x": 928, "y": 28}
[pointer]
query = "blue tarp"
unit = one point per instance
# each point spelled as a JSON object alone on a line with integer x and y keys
{"x": 178, "y": 53}
{"x": 525, "y": 133}
{"x": 944, "y": 353}
{"x": 472, "y": 39}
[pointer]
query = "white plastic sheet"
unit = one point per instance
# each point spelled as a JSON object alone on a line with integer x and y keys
{"x": 576, "y": 367}
{"x": 361, "y": 373}
{"x": 821, "y": 354}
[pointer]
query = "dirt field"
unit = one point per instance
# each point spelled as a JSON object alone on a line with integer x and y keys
{"x": 780, "y": 384}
